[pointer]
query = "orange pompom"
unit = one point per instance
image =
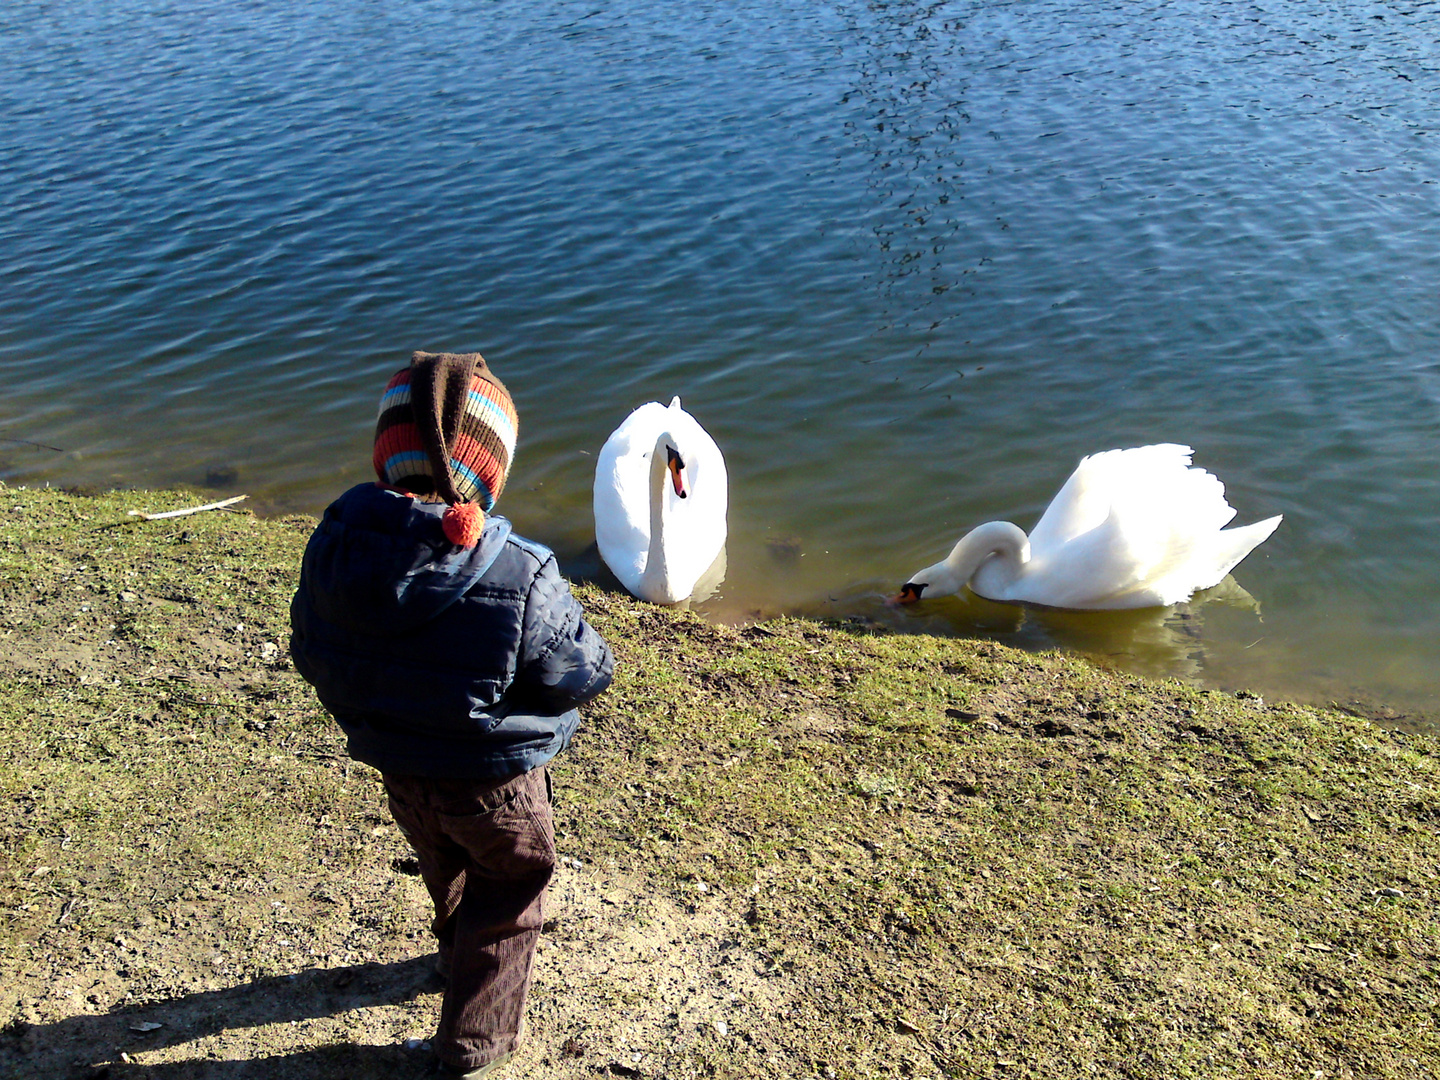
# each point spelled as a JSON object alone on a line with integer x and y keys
{"x": 462, "y": 523}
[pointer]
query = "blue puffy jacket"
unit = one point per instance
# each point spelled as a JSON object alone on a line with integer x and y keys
{"x": 439, "y": 660}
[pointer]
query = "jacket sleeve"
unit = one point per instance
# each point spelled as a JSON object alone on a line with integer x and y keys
{"x": 563, "y": 661}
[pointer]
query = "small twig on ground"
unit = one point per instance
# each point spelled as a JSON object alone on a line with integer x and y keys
{"x": 31, "y": 442}
{"x": 189, "y": 510}
{"x": 67, "y": 910}
{"x": 215, "y": 704}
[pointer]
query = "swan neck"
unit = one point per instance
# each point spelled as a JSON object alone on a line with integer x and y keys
{"x": 655, "y": 581}
{"x": 1002, "y": 548}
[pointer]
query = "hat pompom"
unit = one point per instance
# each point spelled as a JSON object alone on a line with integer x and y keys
{"x": 462, "y": 523}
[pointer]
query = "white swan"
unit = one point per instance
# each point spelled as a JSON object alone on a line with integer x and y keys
{"x": 660, "y": 501}
{"x": 1130, "y": 529}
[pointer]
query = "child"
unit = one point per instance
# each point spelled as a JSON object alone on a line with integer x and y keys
{"x": 453, "y": 655}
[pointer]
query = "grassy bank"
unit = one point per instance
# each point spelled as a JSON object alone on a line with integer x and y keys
{"x": 794, "y": 849}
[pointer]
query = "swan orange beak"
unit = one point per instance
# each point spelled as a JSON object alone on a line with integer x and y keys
{"x": 909, "y": 593}
{"x": 676, "y": 464}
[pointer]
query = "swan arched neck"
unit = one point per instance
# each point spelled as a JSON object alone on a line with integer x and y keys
{"x": 655, "y": 580}
{"x": 994, "y": 553}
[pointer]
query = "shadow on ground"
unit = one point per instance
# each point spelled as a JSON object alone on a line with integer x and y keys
{"x": 91, "y": 1046}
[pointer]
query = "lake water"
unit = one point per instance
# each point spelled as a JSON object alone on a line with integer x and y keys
{"x": 906, "y": 262}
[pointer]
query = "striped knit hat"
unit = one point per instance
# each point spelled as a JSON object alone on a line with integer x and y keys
{"x": 447, "y": 427}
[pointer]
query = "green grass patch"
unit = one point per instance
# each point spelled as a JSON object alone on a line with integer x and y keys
{"x": 966, "y": 860}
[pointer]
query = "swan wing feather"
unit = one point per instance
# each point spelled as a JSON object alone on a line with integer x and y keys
{"x": 1106, "y": 566}
{"x": 1130, "y": 480}
{"x": 1134, "y": 528}
{"x": 622, "y": 493}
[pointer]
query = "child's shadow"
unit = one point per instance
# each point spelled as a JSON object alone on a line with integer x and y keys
{"x": 341, "y": 1061}
{"x": 65, "y": 1048}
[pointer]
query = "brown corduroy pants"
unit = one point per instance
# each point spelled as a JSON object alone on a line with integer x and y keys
{"x": 486, "y": 850}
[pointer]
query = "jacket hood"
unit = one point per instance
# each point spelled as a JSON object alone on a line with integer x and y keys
{"x": 380, "y": 560}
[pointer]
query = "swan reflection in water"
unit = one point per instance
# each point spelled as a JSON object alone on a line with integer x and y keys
{"x": 1155, "y": 641}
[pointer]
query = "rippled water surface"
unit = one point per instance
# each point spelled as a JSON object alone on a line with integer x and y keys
{"x": 907, "y": 262}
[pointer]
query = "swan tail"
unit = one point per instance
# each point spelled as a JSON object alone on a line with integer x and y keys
{"x": 1232, "y": 545}
{"x": 1191, "y": 564}
{"x": 1190, "y": 568}
{"x": 1131, "y": 561}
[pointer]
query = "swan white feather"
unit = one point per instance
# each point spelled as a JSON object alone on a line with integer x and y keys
{"x": 658, "y": 542}
{"x": 1129, "y": 529}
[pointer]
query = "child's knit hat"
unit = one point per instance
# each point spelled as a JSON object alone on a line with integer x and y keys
{"x": 447, "y": 427}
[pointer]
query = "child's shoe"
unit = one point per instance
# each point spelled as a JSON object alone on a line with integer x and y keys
{"x": 455, "y": 1072}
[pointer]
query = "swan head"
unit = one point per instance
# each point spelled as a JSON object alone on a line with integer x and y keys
{"x": 909, "y": 592}
{"x": 933, "y": 581}
{"x": 998, "y": 540}
{"x": 675, "y": 466}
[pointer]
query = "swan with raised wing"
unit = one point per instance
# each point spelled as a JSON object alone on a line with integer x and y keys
{"x": 1131, "y": 528}
{"x": 660, "y": 499}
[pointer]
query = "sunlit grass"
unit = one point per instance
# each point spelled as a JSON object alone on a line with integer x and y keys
{"x": 995, "y": 856}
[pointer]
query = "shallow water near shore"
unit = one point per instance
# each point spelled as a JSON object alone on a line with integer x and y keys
{"x": 906, "y": 263}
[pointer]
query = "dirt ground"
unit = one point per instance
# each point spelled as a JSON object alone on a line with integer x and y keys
{"x": 624, "y": 982}
{"x": 170, "y": 965}
{"x": 790, "y": 850}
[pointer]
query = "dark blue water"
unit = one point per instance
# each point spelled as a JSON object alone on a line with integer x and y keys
{"x": 907, "y": 262}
